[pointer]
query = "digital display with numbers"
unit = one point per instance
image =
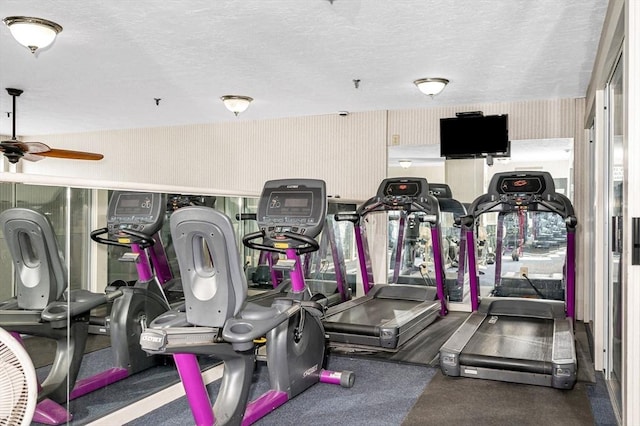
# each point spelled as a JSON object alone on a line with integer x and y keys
{"x": 132, "y": 204}
{"x": 290, "y": 203}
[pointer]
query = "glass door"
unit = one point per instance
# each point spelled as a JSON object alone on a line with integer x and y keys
{"x": 615, "y": 136}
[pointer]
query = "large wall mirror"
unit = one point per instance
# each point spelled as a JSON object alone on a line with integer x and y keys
{"x": 113, "y": 372}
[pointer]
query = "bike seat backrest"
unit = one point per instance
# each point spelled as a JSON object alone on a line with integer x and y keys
{"x": 39, "y": 268}
{"x": 213, "y": 281}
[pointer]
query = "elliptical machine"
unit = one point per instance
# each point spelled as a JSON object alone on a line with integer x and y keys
{"x": 218, "y": 321}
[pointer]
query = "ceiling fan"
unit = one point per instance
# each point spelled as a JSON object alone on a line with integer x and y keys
{"x": 15, "y": 150}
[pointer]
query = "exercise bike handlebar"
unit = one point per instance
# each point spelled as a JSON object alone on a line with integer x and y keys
{"x": 142, "y": 239}
{"x": 310, "y": 244}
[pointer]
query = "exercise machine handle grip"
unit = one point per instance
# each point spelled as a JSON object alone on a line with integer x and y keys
{"x": 248, "y": 240}
{"x": 246, "y": 216}
{"x": 143, "y": 240}
{"x": 310, "y": 244}
{"x": 96, "y": 236}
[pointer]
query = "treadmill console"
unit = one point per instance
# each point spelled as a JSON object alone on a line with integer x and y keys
{"x": 295, "y": 206}
{"x": 142, "y": 212}
{"x": 400, "y": 192}
{"x": 522, "y": 188}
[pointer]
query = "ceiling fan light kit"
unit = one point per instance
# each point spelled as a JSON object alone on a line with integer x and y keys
{"x": 236, "y": 103}
{"x": 32, "y": 33}
{"x": 431, "y": 86}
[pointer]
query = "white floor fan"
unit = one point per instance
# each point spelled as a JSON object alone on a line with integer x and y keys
{"x": 18, "y": 384}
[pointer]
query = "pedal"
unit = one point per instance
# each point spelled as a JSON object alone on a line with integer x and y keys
{"x": 130, "y": 257}
{"x": 285, "y": 265}
{"x": 261, "y": 353}
{"x": 154, "y": 340}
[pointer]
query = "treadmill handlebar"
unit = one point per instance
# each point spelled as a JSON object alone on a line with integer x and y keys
{"x": 505, "y": 203}
{"x": 428, "y": 205}
{"x": 571, "y": 222}
{"x": 467, "y": 221}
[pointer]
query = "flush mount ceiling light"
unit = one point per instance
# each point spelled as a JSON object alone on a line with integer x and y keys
{"x": 405, "y": 164}
{"x": 431, "y": 86}
{"x": 32, "y": 33}
{"x": 236, "y": 104}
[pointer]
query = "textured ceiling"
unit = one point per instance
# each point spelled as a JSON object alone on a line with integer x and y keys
{"x": 294, "y": 57}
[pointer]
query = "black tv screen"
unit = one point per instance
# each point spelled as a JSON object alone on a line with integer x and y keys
{"x": 474, "y": 136}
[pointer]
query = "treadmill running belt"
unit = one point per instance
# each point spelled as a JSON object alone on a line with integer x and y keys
{"x": 523, "y": 344}
{"x": 373, "y": 313}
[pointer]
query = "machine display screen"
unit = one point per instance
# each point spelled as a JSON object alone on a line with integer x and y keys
{"x": 292, "y": 204}
{"x": 521, "y": 185}
{"x": 133, "y": 205}
{"x": 410, "y": 189}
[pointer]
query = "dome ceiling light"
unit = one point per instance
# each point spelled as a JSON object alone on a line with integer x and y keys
{"x": 431, "y": 86}
{"x": 32, "y": 33}
{"x": 236, "y": 104}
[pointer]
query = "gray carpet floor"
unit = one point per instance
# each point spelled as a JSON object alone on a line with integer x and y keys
{"x": 382, "y": 395}
{"x": 385, "y": 393}
{"x": 392, "y": 388}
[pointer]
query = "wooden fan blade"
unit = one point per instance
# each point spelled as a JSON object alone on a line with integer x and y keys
{"x": 72, "y": 155}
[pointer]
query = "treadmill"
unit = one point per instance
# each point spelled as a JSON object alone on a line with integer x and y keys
{"x": 388, "y": 315}
{"x": 529, "y": 338}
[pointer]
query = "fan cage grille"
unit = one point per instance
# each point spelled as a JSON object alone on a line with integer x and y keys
{"x": 16, "y": 382}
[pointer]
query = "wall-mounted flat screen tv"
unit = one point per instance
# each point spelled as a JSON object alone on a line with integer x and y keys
{"x": 474, "y": 136}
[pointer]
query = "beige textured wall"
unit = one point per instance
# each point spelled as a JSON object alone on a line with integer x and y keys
{"x": 349, "y": 153}
{"x": 539, "y": 119}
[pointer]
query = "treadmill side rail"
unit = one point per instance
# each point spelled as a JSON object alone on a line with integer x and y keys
{"x": 450, "y": 351}
{"x": 563, "y": 355}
